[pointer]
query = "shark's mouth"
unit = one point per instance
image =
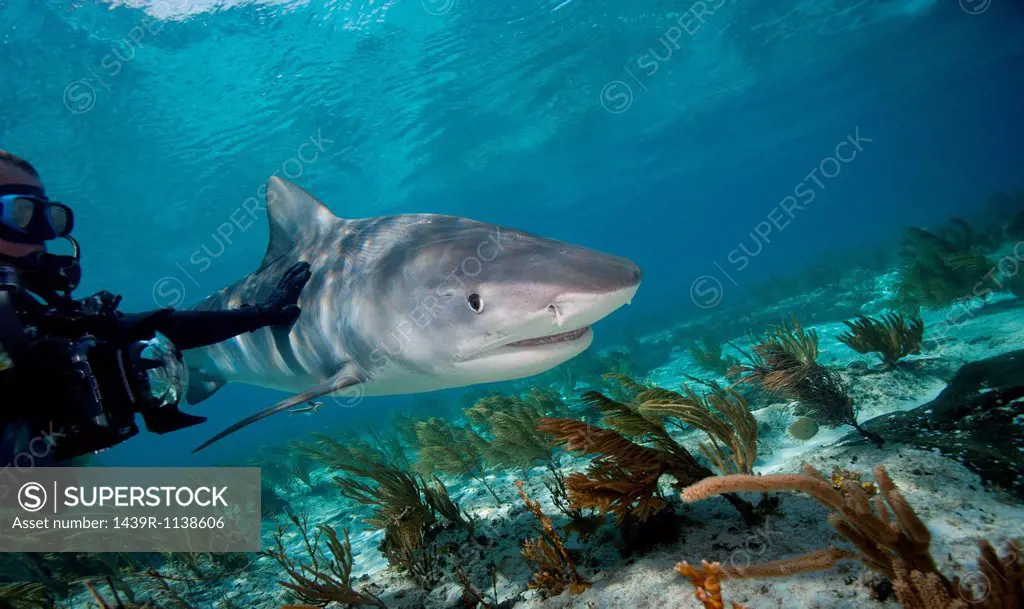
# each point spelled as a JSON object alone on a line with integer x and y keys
{"x": 554, "y": 338}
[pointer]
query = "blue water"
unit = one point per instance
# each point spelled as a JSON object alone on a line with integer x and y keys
{"x": 158, "y": 119}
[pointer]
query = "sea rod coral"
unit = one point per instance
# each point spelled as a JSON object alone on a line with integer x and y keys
{"x": 887, "y": 535}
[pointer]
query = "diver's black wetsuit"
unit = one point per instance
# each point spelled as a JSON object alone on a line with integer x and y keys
{"x": 24, "y": 412}
{"x": 193, "y": 329}
{"x": 186, "y": 329}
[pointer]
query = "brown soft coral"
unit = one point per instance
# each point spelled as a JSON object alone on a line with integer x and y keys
{"x": 889, "y": 536}
{"x": 552, "y": 567}
{"x": 802, "y": 345}
{"x": 622, "y": 480}
{"x": 323, "y": 577}
{"x": 708, "y": 584}
{"x": 722, "y": 413}
{"x": 609, "y": 488}
{"x": 892, "y": 336}
{"x": 820, "y": 391}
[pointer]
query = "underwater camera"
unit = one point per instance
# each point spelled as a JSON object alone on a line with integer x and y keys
{"x": 102, "y": 386}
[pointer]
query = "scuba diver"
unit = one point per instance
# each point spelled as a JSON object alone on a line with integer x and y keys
{"x": 74, "y": 372}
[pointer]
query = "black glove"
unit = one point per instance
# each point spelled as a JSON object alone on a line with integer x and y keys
{"x": 281, "y": 309}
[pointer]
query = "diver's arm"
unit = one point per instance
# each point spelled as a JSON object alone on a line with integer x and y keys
{"x": 192, "y": 329}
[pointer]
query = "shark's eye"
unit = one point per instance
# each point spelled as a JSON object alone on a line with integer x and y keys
{"x": 476, "y": 303}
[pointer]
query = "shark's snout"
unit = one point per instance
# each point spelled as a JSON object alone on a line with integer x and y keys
{"x": 584, "y": 271}
{"x": 576, "y": 310}
{"x": 632, "y": 275}
{"x": 618, "y": 274}
{"x": 596, "y": 284}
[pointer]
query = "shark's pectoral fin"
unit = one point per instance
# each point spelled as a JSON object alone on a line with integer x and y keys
{"x": 202, "y": 385}
{"x": 339, "y": 382}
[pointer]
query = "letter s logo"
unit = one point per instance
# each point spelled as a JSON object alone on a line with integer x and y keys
{"x": 32, "y": 497}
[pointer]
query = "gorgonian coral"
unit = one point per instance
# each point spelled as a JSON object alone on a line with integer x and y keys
{"x": 892, "y": 336}
{"x": 888, "y": 537}
{"x": 707, "y": 583}
{"x": 936, "y": 271}
{"x": 820, "y": 392}
{"x": 707, "y": 353}
{"x": 622, "y": 480}
{"x": 552, "y": 567}
{"x": 721, "y": 413}
{"x": 322, "y": 577}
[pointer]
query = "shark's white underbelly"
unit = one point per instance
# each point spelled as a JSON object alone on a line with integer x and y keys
{"x": 382, "y": 383}
{"x": 253, "y": 359}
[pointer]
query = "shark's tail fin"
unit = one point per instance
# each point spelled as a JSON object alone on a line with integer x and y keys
{"x": 202, "y": 385}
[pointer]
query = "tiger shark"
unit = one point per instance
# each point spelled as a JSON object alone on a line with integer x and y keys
{"x": 407, "y": 304}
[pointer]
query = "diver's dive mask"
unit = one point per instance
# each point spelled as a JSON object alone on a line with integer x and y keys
{"x": 27, "y": 215}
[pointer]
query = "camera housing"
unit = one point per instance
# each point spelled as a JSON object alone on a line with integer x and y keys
{"x": 104, "y": 386}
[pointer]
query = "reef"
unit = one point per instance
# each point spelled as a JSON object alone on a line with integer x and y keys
{"x": 975, "y": 420}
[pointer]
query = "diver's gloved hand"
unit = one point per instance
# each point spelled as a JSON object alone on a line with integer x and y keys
{"x": 281, "y": 309}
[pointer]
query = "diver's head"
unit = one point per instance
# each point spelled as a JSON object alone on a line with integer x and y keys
{"x": 28, "y": 219}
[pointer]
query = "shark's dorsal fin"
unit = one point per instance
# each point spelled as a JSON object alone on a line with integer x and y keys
{"x": 295, "y": 217}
